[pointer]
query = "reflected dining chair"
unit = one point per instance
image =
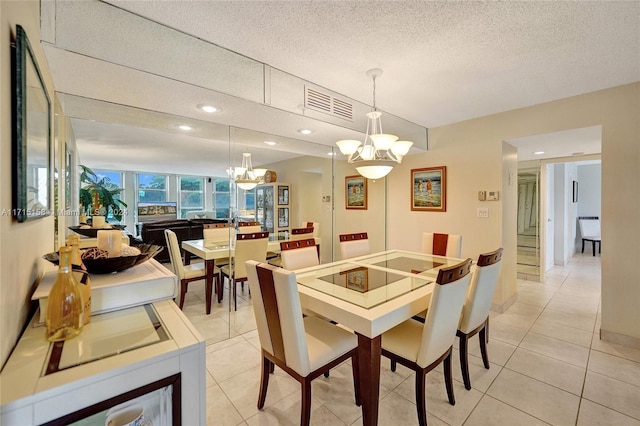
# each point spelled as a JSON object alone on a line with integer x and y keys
{"x": 449, "y": 245}
{"x": 421, "y": 347}
{"x": 314, "y": 225}
{"x": 249, "y": 227}
{"x": 248, "y": 247}
{"x": 352, "y": 245}
{"x": 301, "y": 233}
{"x": 303, "y": 347}
{"x": 188, "y": 273}
{"x": 296, "y": 234}
{"x": 475, "y": 313}
{"x": 299, "y": 254}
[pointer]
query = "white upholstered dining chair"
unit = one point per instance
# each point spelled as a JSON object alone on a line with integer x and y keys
{"x": 449, "y": 245}
{"x": 475, "y": 313}
{"x": 421, "y": 347}
{"x": 251, "y": 246}
{"x": 249, "y": 227}
{"x": 299, "y": 254}
{"x": 188, "y": 273}
{"x": 353, "y": 245}
{"x": 303, "y": 347}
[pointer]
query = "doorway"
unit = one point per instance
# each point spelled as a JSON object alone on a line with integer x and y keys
{"x": 528, "y": 237}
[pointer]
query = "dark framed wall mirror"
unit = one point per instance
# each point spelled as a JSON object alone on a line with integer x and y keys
{"x": 32, "y": 168}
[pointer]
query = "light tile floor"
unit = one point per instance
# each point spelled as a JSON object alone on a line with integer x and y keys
{"x": 548, "y": 366}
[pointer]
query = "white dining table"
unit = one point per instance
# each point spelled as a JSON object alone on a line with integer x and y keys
{"x": 371, "y": 294}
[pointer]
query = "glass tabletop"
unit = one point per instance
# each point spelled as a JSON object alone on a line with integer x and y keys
{"x": 369, "y": 281}
{"x": 107, "y": 335}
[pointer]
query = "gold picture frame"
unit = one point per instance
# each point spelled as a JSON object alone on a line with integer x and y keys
{"x": 429, "y": 189}
{"x": 355, "y": 192}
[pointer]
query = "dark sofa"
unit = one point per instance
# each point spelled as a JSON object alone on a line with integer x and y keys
{"x": 185, "y": 229}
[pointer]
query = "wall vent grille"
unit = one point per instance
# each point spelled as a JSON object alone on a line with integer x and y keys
{"x": 328, "y": 104}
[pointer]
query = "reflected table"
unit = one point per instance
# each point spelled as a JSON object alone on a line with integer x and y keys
{"x": 210, "y": 251}
{"x": 371, "y": 294}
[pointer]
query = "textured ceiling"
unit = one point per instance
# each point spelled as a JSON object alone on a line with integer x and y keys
{"x": 443, "y": 62}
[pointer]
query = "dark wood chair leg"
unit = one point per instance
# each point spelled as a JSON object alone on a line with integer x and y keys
{"x": 594, "y": 247}
{"x": 483, "y": 348}
{"x": 421, "y": 398}
{"x": 264, "y": 382}
{"x": 448, "y": 379}
{"x": 355, "y": 368}
{"x": 486, "y": 330}
{"x": 272, "y": 368}
{"x": 583, "y": 246}
{"x": 235, "y": 294}
{"x": 326, "y": 374}
{"x": 305, "y": 415}
{"x": 393, "y": 366}
{"x": 183, "y": 292}
{"x": 209, "y": 294}
{"x": 464, "y": 359}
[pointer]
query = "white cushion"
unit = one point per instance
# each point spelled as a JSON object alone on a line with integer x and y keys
{"x": 299, "y": 258}
{"x": 404, "y": 340}
{"x": 454, "y": 244}
{"x": 478, "y": 301}
{"x": 354, "y": 248}
{"x": 195, "y": 270}
{"x": 326, "y": 342}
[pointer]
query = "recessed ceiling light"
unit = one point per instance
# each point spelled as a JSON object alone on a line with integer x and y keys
{"x": 538, "y": 153}
{"x": 209, "y": 108}
{"x": 331, "y": 153}
{"x": 271, "y": 143}
{"x": 186, "y": 127}
{"x": 305, "y": 131}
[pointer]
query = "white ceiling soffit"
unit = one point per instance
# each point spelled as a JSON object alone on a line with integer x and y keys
{"x": 568, "y": 143}
{"x": 153, "y": 143}
{"x": 443, "y": 62}
{"x": 99, "y": 51}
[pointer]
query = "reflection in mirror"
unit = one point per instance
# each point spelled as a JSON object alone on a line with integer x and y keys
{"x": 32, "y": 145}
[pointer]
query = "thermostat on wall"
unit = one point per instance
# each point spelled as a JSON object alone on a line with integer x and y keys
{"x": 493, "y": 195}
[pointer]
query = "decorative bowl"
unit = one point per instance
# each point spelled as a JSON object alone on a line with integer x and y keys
{"x": 93, "y": 232}
{"x": 113, "y": 264}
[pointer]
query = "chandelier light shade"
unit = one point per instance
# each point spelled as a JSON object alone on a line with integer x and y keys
{"x": 380, "y": 152}
{"x": 245, "y": 176}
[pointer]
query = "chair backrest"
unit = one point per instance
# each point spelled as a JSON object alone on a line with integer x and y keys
{"x": 589, "y": 228}
{"x": 352, "y": 245}
{"x": 278, "y": 313}
{"x": 314, "y": 225}
{"x": 175, "y": 255}
{"x": 301, "y": 233}
{"x": 483, "y": 284}
{"x": 299, "y": 254}
{"x": 216, "y": 231}
{"x": 249, "y": 247}
{"x": 449, "y": 245}
{"x": 443, "y": 315}
{"x": 249, "y": 227}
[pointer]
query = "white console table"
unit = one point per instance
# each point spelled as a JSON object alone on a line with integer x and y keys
{"x": 149, "y": 355}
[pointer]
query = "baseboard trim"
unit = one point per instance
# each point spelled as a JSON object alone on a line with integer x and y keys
{"x": 506, "y": 305}
{"x": 619, "y": 339}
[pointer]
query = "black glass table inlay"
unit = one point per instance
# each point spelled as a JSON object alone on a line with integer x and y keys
{"x": 408, "y": 264}
{"x": 362, "y": 279}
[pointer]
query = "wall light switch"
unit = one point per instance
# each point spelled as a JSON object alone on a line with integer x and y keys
{"x": 482, "y": 212}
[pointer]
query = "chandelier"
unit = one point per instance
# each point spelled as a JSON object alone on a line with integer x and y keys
{"x": 374, "y": 158}
{"x": 245, "y": 176}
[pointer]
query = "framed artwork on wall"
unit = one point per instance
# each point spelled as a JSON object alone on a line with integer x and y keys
{"x": 283, "y": 195}
{"x": 32, "y": 145}
{"x": 355, "y": 190}
{"x": 429, "y": 189}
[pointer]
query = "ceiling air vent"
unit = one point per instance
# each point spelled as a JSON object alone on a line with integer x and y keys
{"x": 328, "y": 104}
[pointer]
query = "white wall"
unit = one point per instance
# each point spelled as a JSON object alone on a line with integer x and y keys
{"x": 472, "y": 152}
{"x": 21, "y": 244}
{"x": 590, "y": 190}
